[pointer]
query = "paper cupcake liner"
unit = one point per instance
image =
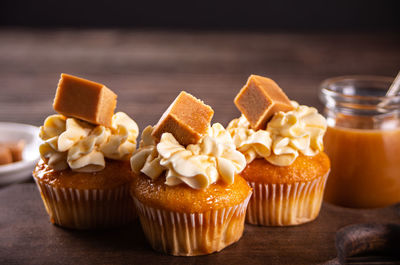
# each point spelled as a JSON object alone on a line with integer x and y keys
{"x": 285, "y": 204}
{"x": 192, "y": 234}
{"x": 87, "y": 208}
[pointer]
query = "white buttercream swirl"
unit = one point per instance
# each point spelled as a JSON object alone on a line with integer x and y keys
{"x": 287, "y": 134}
{"x": 198, "y": 165}
{"x": 83, "y": 147}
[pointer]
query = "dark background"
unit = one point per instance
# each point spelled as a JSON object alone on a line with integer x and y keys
{"x": 376, "y": 15}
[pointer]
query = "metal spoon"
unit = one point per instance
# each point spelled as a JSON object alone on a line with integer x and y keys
{"x": 394, "y": 89}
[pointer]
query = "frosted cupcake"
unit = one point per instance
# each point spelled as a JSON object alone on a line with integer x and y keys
{"x": 84, "y": 173}
{"x": 190, "y": 198}
{"x": 286, "y": 165}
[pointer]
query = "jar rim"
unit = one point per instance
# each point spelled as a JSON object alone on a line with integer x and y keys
{"x": 327, "y": 83}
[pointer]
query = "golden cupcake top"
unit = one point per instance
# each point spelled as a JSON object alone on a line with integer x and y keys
{"x": 286, "y": 134}
{"x": 91, "y": 133}
{"x": 304, "y": 168}
{"x": 117, "y": 173}
{"x": 180, "y": 198}
{"x": 198, "y": 165}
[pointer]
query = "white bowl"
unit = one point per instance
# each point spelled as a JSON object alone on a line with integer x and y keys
{"x": 21, "y": 170}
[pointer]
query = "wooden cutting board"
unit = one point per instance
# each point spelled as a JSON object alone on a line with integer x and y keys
{"x": 27, "y": 237}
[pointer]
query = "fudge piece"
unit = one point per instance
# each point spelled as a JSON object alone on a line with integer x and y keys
{"x": 187, "y": 118}
{"x": 16, "y": 149}
{"x": 259, "y": 99}
{"x": 5, "y": 155}
{"x": 11, "y": 151}
{"x": 86, "y": 100}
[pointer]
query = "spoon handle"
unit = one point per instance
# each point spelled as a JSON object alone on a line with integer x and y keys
{"x": 395, "y": 87}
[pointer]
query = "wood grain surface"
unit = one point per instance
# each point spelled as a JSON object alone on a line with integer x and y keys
{"x": 147, "y": 69}
{"x": 27, "y": 237}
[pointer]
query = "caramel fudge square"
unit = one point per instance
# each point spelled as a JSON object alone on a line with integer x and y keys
{"x": 187, "y": 119}
{"x": 259, "y": 99}
{"x": 84, "y": 99}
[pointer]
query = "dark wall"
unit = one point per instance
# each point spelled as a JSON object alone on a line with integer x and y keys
{"x": 285, "y": 14}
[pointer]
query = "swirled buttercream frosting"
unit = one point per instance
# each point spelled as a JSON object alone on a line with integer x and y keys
{"x": 197, "y": 165}
{"x": 83, "y": 147}
{"x": 287, "y": 135}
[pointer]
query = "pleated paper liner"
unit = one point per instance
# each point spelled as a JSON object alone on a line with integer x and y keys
{"x": 87, "y": 208}
{"x": 192, "y": 234}
{"x": 285, "y": 204}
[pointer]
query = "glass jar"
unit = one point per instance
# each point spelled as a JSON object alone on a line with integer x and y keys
{"x": 362, "y": 141}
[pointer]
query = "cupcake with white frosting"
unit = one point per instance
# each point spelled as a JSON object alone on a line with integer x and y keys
{"x": 84, "y": 172}
{"x": 190, "y": 199}
{"x": 286, "y": 165}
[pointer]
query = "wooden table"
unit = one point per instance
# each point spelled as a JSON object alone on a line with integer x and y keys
{"x": 147, "y": 70}
{"x": 27, "y": 237}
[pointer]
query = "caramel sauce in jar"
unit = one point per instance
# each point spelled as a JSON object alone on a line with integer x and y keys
{"x": 362, "y": 142}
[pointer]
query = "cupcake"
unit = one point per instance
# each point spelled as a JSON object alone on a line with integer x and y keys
{"x": 84, "y": 172}
{"x": 189, "y": 197}
{"x": 283, "y": 145}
